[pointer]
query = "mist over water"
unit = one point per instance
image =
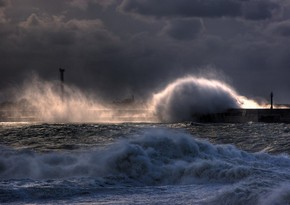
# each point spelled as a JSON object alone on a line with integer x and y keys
{"x": 178, "y": 101}
{"x": 53, "y": 105}
{"x": 197, "y": 95}
{"x": 50, "y": 104}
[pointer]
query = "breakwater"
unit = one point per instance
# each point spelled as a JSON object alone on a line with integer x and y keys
{"x": 246, "y": 115}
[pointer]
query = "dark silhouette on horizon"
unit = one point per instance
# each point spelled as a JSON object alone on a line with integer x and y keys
{"x": 271, "y": 95}
{"x": 61, "y": 72}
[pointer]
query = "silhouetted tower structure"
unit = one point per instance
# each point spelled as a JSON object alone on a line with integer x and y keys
{"x": 61, "y": 72}
{"x": 271, "y": 95}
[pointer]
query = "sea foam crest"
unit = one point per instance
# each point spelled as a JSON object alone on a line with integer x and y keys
{"x": 279, "y": 195}
{"x": 155, "y": 157}
{"x": 192, "y": 95}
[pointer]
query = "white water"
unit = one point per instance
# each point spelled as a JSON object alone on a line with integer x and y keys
{"x": 169, "y": 162}
{"x": 196, "y": 95}
{"x": 177, "y": 102}
{"x": 48, "y": 104}
{"x": 156, "y": 157}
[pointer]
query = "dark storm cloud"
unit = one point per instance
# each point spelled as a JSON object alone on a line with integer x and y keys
{"x": 84, "y": 4}
{"x": 258, "y": 9}
{"x": 184, "y": 8}
{"x": 281, "y": 28}
{"x": 93, "y": 56}
{"x": 115, "y": 55}
{"x": 43, "y": 43}
{"x": 249, "y": 9}
{"x": 3, "y": 4}
{"x": 183, "y": 29}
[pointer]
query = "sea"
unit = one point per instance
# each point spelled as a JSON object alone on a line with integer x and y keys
{"x": 144, "y": 163}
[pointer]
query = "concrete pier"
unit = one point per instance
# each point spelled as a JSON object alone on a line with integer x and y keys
{"x": 247, "y": 115}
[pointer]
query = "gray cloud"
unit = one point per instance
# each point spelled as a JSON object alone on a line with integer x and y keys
{"x": 250, "y": 9}
{"x": 258, "y": 9}
{"x": 42, "y": 44}
{"x": 183, "y": 29}
{"x": 113, "y": 55}
{"x": 84, "y": 4}
{"x": 184, "y": 8}
{"x": 281, "y": 28}
{"x": 3, "y": 5}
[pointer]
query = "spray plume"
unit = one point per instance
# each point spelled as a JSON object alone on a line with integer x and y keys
{"x": 179, "y": 101}
{"x": 196, "y": 95}
{"x": 50, "y": 104}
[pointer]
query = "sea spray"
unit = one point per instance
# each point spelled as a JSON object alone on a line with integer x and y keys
{"x": 181, "y": 100}
{"x": 191, "y": 95}
{"x": 50, "y": 104}
{"x": 279, "y": 195}
{"x": 53, "y": 106}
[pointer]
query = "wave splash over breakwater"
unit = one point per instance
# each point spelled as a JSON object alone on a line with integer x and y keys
{"x": 197, "y": 95}
{"x": 47, "y": 102}
{"x": 155, "y": 157}
{"x": 179, "y": 101}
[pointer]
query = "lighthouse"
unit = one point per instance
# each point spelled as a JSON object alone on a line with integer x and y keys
{"x": 271, "y": 95}
{"x": 61, "y": 72}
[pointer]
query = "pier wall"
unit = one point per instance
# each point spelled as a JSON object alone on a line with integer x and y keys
{"x": 248, "y": 115}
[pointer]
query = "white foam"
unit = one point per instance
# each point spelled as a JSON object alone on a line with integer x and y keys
{"x": 157, "y": 156}
{"x": 187, "y": 96}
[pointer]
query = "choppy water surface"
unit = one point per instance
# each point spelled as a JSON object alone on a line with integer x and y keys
{"x": 180, "y": 163}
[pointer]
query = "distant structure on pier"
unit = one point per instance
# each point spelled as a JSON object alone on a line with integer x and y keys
{"x": 271, "y": 95}
{"x": 246, "y": 115}
{"x": 61, "y": 72}
{"x": 271, "y": 115}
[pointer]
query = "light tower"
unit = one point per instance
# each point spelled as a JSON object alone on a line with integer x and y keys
{"x": 271, "y": 95}
{"x": 61, "y": 72}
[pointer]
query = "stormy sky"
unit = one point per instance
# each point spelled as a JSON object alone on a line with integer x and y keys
{"x": 116, "y": 48}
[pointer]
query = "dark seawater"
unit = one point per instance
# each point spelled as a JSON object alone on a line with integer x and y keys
{"x": 181, "y": 163}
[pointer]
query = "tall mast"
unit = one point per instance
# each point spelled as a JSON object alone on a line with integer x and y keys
{"x": 271, "y": 95}
{"x": 61, "y": 72}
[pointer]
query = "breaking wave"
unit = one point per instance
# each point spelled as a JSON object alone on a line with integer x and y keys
{"x": 152, "y": 158}
{"x": 191, "y": 95}
{"x": 158, "y": 156}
